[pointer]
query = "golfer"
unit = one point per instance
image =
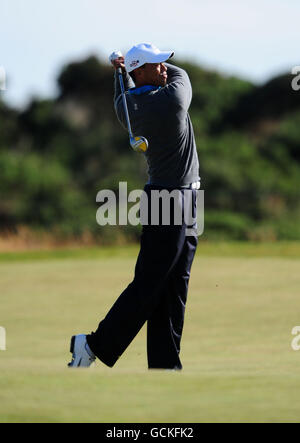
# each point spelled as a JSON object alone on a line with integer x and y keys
{"x": 158, "y": 97}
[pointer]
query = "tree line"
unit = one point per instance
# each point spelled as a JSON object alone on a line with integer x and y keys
{"x": 57, "y": 153}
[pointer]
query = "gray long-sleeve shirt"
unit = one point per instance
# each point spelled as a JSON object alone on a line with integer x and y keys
{"x": 162, "y": 117}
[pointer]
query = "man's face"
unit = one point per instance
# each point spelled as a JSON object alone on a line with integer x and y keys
{"x": 154, "y": 74}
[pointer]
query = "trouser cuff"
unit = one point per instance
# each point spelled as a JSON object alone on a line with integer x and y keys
{"x": 108, "y": 360}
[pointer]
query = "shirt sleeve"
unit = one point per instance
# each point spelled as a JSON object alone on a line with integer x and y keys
{"x": 128, "y": 84}
{"x": 118, "y": 101}
{"x": 178, "y": 88}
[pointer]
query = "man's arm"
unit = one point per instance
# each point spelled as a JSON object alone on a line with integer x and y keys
{"x": 127, "y": 81}
{"x": 178, "y": 88}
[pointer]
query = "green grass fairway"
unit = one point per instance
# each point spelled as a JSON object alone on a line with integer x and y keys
{"x": 238, "y": 362}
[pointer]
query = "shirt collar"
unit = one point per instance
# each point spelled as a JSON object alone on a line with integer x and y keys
{"x": 143, "y": 89}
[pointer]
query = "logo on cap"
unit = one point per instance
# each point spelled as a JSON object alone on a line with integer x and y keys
{"x": 134, "y": 63}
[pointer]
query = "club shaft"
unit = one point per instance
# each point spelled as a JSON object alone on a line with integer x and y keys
{"x": 124, "y": 102}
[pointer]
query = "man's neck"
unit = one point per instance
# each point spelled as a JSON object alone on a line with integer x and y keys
{"x": 138, "y": 85}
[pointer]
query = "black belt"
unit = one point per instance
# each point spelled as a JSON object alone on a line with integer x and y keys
{"x": 195, "y": 185}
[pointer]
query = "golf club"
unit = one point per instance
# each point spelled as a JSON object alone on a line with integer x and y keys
{"x": 138, "y": 143}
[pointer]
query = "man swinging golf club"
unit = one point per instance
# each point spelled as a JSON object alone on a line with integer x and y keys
{"x": 153, "y": 107}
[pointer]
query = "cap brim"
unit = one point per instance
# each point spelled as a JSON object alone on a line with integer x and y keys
{"x": 163, "y": 56}
{"x": 160, "y": 57}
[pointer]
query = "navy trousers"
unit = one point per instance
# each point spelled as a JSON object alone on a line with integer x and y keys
{"x": 157, "y": 295}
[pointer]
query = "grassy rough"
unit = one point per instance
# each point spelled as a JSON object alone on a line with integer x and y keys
{"x": 238, "y": 362}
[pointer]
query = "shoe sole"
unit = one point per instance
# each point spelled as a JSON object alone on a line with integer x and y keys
{"x": 72, "y": 349}
{"x": 72, "y": 344}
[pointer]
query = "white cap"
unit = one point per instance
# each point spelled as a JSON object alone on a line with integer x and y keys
{"x": 143, "y": 53}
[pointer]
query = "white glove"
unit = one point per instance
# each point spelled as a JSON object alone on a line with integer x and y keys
{"x": 115, "y": 55}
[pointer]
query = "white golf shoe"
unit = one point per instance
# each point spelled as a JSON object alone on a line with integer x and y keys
{"x": 82, "y": 356}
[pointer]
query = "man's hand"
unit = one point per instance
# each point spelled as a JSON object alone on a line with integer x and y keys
{"x": 117, "y": 60}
